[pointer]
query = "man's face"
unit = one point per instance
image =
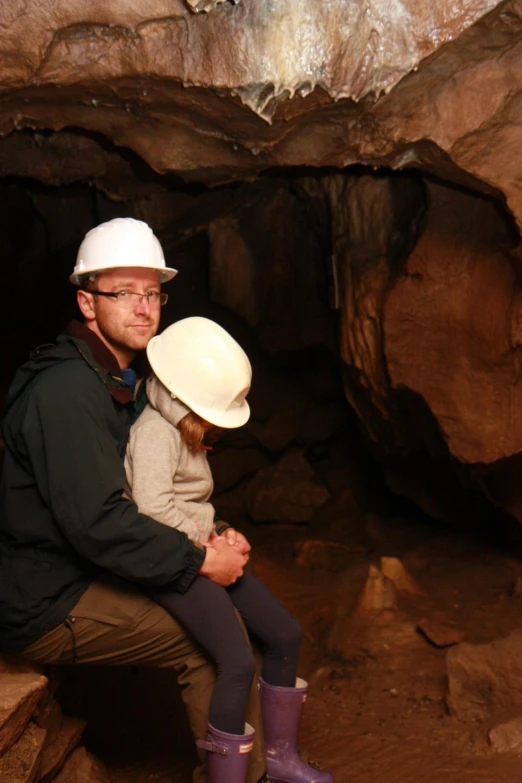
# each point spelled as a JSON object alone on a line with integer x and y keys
{"x": 125, "y": 325}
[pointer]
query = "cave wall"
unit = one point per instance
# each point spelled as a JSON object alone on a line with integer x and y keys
{"x": 430, "y": 305}
{"x": 248, "y": 137}
{"x": 425, "y": 85}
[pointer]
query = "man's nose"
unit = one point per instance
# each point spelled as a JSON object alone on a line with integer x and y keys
{"x": 143, "y": 306}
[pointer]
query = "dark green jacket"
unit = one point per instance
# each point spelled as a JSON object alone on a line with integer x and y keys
{"x": 63, "y": 518}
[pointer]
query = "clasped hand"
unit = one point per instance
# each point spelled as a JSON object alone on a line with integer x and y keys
{"x": 226, "y": 557}
{"x": 237, "y": 540}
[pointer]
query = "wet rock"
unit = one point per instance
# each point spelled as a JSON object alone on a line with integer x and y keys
{"x": 204, "y": 6}
{"x": 83, "y": 767}
{"x": 478, "y": 264}
{"x": 285, "y": 492}
{"x": 21, "y": 762}
{"x": 55, "y": 752}
{"x": 485, "y": 678}
{"x": 374, "y": 626}
{"x": 271, "y": 51}
{"x": 379, "y": 593}
{"x": 507, "y": 737}
{"x": 21, "y": 687}
{"x": 440, "y": 631}
{"x": 50, "y": 718}
{"x": 431, "y": 373}
{"x": 393, "y": 569}
{"x": 134, "y": 62}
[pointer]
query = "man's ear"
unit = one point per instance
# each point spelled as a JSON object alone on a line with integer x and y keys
{"x": 86, "y": 304}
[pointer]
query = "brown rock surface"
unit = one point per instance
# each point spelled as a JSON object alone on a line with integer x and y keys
{"x": 21, "y": 687}
{"x": 430, "y": 308}
{"x": 393, "y": 568}
{"x": 440, "y": 631}
{"x": 21, "y": 762}
{"x": 484, "y": 679}
{"x": 82, "y": 767}
{"x": 378, "y": 595}
{"x": 288, "y": 491}
{"x": 56, "y": 751}
{"x": 169, "y": 84}
{"x": 507, "y": 737}
{"x": 451, "y": 325}
{"x": 290, "y": 46}
{"x": 50, "y": 718}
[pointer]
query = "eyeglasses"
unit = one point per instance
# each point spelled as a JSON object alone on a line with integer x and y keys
{"x": 124, "y": 298}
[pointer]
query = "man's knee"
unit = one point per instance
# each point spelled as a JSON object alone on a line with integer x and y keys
{"x": 114, "y": 623}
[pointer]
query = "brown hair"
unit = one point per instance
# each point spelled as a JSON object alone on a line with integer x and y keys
{"x": 192, "y": 428}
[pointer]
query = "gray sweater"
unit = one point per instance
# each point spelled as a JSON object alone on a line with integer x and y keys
{"x": 166, "y": 480}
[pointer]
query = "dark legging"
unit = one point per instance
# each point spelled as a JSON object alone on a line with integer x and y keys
{"x": 206, "y": 610}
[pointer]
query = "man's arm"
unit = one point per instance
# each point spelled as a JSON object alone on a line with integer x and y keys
{"x": 237, "y": 540}
{"x": 70, "y": 436}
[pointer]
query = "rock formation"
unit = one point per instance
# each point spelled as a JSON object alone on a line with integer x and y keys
{"x": 38, "y": 744}
{"x": 341, "y": 84}
{"x": 151, "y": 103}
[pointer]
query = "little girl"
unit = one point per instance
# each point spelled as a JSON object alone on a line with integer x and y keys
{"x": 201, "y": 378}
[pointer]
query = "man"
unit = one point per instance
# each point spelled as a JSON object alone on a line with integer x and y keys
{"x": 74, "y": 552}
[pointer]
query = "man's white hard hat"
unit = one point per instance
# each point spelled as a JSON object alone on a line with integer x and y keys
{"x": 204, "y": 367}
{"x": 122, "y": 242}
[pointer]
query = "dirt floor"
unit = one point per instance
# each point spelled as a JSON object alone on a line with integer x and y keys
{"x": 376, "y": 709}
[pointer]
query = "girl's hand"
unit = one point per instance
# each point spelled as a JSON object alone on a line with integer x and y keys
{"x": 237, "y": 540}
{"x": 223, "y": 564}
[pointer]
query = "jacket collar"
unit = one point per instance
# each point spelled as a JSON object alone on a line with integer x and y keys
{"x": 104, "y": 360}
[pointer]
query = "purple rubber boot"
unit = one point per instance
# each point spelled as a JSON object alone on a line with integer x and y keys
{"x": 281, "y": 710}
{"x": 228, "y": 754}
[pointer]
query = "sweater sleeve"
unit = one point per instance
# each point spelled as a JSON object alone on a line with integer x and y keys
{"x": 154, "y": 452}
{"x": 70, "y": 433}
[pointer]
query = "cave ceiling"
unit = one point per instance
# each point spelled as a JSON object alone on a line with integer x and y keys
{"x": 247, "y": 87}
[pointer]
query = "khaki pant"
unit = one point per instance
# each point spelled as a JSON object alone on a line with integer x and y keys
{"x": 114, "y": 624}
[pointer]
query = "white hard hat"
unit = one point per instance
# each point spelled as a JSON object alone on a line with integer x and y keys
{"x": 204, "y": 367}
{"x": 121, "y": 242}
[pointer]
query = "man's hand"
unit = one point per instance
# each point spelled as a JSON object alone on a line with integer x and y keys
{"x": 223, "y": 564}
{"x": 237, "y": 540}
